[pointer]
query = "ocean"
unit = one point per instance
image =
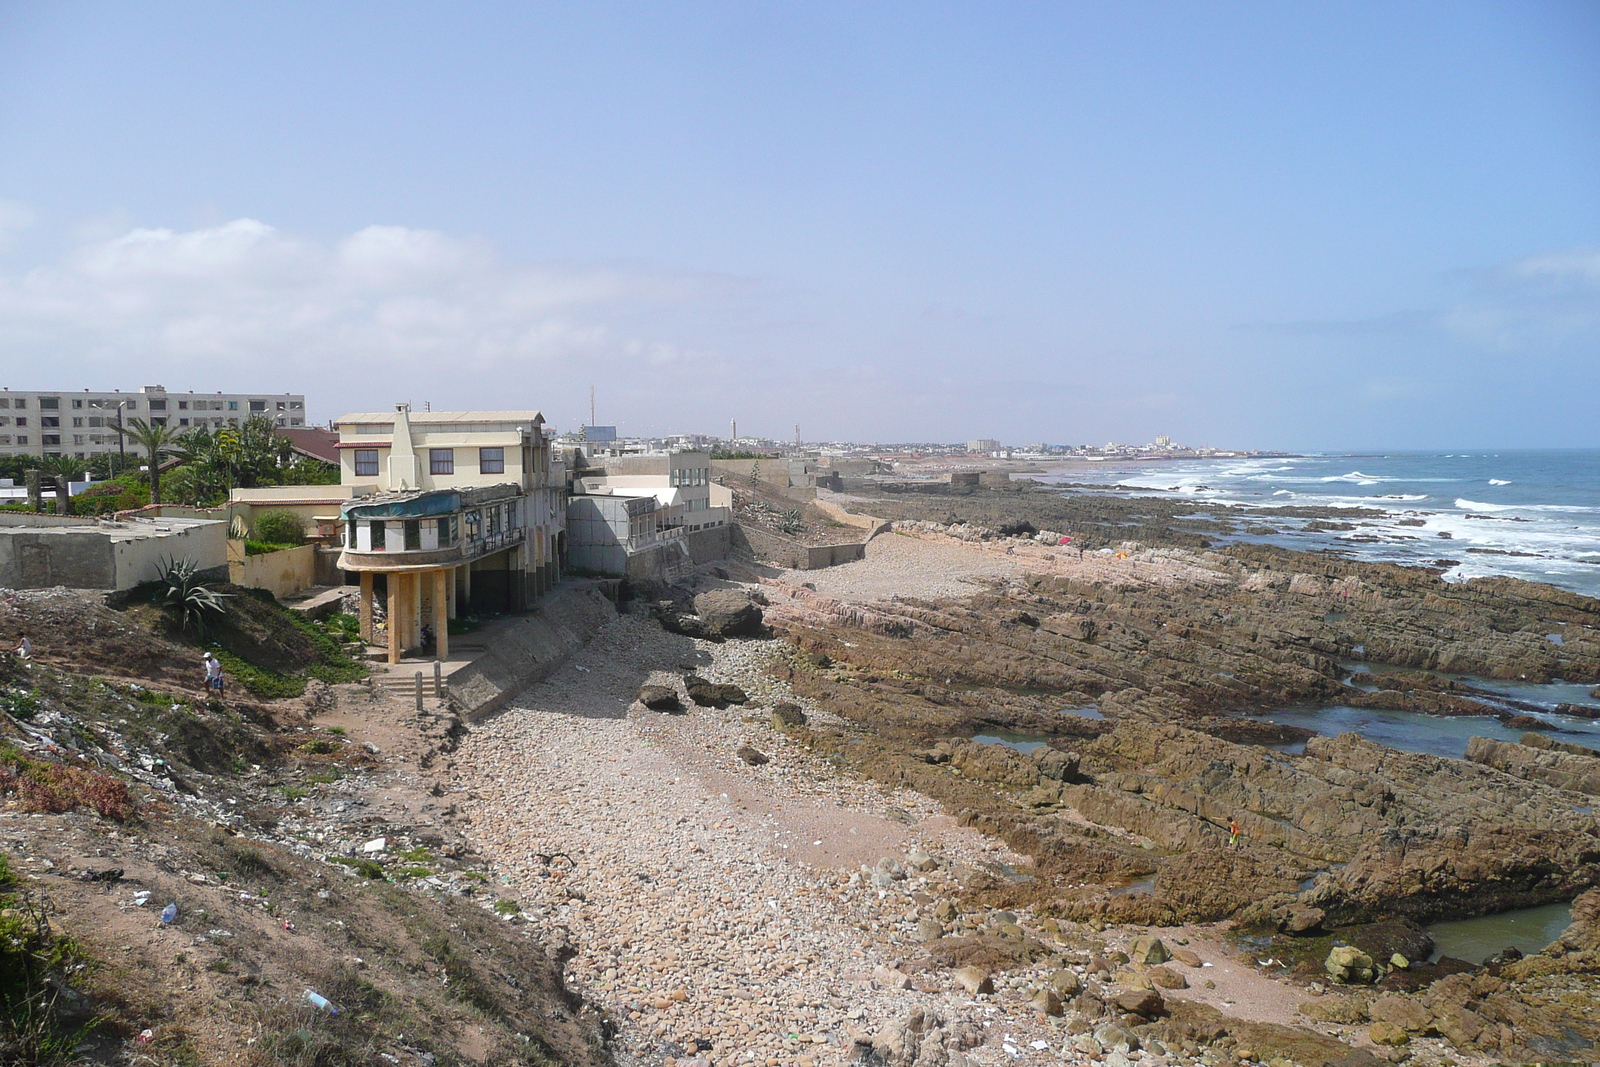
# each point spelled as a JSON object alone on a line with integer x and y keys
{"x": 1527, "y": 514}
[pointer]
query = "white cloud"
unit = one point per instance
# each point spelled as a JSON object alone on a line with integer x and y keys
{"x": 387, "y": 310}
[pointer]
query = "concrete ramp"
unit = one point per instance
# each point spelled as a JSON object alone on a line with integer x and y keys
{"x": 529, "y": 651}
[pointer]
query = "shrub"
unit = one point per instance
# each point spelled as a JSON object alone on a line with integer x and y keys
{"x": 180, "y": 588}
{"x": 124, "y": 493}
{"x": 259, "y": 681}
{"x": 280, "y": 527}
{"x": 261, "y": 548}
{"x": 50, "y": 788}
{"x": 364, "y": 867}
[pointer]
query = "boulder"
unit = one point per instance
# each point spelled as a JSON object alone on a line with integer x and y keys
{"x": 890, "y": 978}
{"x": 1186, "y": 956}
{"x": 659, "y": 698}
{"x": 1146, "y": 1003}
{"x": 1167, "y": 978}
{"x": 929, "y": 929}
{"x": 1065, "y": 983}
{"x": 1148, "y": 951}
{"x": 713, "y": 694}
{"x": 1407, "y": 1013}
{"x": 728, "y": 613}
{"x": 974, "y": 980}
{"x": 1046, "y": 1001}
{"x": 1299, "y": 919}
{"x": 1383, "y": 1033}
{"x": 1057, "y": 765}
{"x": 1350, "y": 966}
{"x": 786, "y": 715}
{"x": 920, "y": 860}
{"x": 752, "y": 756}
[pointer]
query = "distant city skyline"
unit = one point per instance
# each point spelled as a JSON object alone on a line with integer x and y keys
{"x": 1258, "y": 226}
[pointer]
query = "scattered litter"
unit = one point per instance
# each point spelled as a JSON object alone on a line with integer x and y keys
{"x": 112, "y": 875}
{"x": 289, "y": 926}
{"x": 317, "y": 1000}
{"x": 169, "y": 914}
{"x": 146, "y": 1036}
{"x": 1040, "y": 1046}
{"x": 141, "y": 898}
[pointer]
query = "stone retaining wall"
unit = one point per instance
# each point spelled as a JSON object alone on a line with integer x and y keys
{"x": 561, "y": 624}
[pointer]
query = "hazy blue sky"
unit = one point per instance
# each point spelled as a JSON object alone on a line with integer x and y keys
{"x": 1301, "y": 225}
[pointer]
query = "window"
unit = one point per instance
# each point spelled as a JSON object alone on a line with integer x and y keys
{"x": 22, "y": 402}
{"x": 474, "y": 525}
{"x": 77, "y": 403}
{"x": 183, "y": 405}
{"x": 494, "y": 522}
{"x": 49, "y": 420}
{"x": 158, "y": 405}
{"x": 379, "y": 539}
{"x": 258, "y": 405}
{"x": 446, "y": 532}
{"x": 22, "y": 438}
{"x": 280, "y": 405}
{"x": 295, "y": 405}
{"x": 183, "y": 422}
{"x": 77, "y": 422}
{"x": 413, "y": 534}
{"x": 77, "y": 439}
{"x": 22, "y": 420}
{"x": 50, "y": 403}
{"x": 441, "y": 461}
{"x": 52, "y": 439}
{"x": 5, "y": 439}
{"x": 5, "y": 402}
{"x": 366, "y": 463}
{"x": 233, "y": 405}
{"x": 158, "y": 422}
{"x": 491, "y": 461}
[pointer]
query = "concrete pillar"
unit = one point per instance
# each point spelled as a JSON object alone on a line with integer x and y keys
{"x": 366, "y": 606}
{"x": 394, "y": 617}
{"x": 416, "y": 608}
{"x": 450, "y": 591}
{"x": 441, "y": 618}
{"x": 466, "y": 585}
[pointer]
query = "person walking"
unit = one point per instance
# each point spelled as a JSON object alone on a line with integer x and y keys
{"x": 213, "y": 673}
{"x": 1234, "y": 836}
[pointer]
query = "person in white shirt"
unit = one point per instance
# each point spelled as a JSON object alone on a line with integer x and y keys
{"x": 213, "y": 673}
{"x": 24, "y": 647}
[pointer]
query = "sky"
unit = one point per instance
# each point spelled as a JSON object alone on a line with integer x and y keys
{"x": 1313, "y": 226}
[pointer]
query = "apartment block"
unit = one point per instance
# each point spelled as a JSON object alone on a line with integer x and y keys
{"x": 42, "y": 422}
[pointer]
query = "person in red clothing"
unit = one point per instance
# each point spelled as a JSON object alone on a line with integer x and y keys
{"x": 1234, "y": 835}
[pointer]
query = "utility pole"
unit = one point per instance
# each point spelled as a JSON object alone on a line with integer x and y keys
{"x": 797, "y": 446}
{"x": 591, "y": 405}
{"x": 122, "y": 448}
{"x": 733, "y": 430}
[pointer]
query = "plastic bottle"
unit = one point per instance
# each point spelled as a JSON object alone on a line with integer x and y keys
{"x": 317, "y": 1000}
{"x": 169, "y": 914}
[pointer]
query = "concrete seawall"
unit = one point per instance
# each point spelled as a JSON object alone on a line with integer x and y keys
{"x": 564, "y": 622}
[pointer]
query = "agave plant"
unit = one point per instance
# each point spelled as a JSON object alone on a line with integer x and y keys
{"x": 187, "y": 594}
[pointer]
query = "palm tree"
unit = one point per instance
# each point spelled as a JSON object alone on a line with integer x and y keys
{"x": 154, "y": 439}
{"x": 62, "y": 470}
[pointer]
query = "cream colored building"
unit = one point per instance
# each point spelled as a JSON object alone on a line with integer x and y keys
{"x": 449, "y": 511}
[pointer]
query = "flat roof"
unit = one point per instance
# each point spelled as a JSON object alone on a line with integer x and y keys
{"x": 116, "y": 530}
{"x": 441, "y": 416}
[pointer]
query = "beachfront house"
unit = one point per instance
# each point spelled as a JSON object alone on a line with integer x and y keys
{"x": 451, "y": 512}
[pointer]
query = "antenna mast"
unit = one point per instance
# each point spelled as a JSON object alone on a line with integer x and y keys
{"x": 591, "y": 405}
